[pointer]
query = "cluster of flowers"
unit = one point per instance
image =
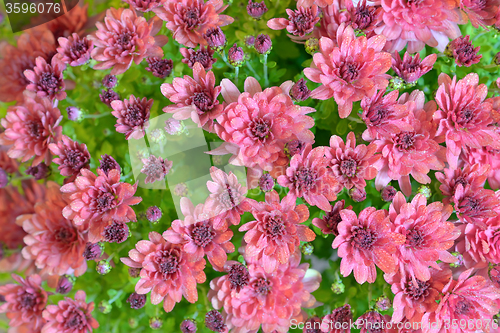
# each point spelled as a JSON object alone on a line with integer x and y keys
{"x": 439, "y": 270}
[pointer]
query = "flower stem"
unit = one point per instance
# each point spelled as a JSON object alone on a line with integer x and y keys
{"x": 224, "y": 57}
{"x": 266, "y": 79}
{"x": 253, "y": 71}
{"x": 95, "y": 116}
{"x": 236, "y": 73}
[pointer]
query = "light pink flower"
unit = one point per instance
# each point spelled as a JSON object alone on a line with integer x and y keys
{"x": 485, "y": 155}
{"x": 411, "y": 68}
{"x": 475, "y": 205}
{"x": 155, "y": 168}
{"x": 479, "y": 247}
{"x": 276, "y": 232}
{"x": 471, "y": 176}
{"x": 145, "y": 5}
{"x": 365, "y": 242}
{"x": 330, "y": 221}
{"x": 72, "y": 156}
{"x": 190, "y": 19}
{"x": 74, "y": 50}
{"x": 166, "y": 271}
{"x": 47, "y": 79}
{"x": 351, "y": 71}
{"x": 132, "y": 116}
{"x": 124, "y": 38}
{"x": 299, "y": 23}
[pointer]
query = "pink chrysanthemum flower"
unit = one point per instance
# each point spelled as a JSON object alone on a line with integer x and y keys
{"x": 462, "y": 50}
{"x": 300, "y": 22}
{"x": 205, "y": 56}
{"x": 330, "y": 221}
{"x": 124, "y": 38}
{"x": 339, "y": 316}
{"x": 412, "y": 151}
{"x": 30, "y": 127}
{"x": 479, "y": 247}
{"x": 74, "y": 50}
{"x": 485, "y": 155}
{"x": 227, "y": 198}
{"x": 72, "y": 156}
{"x": 428, "y": 234}
{"x": 190, "y": 19}
{"x": 132, "y": 116}
{"x": 166, "y": 270}
{"x": 374, "y": 321}
{"x": 70, "y": 316}
{"x": 383, "y": 115}
{"x": 276, "y": 232}
{"x": 469, "y": 298}
{"x": 480, "y": 13}
{"x": 475, "y": 205}
{"x": 412, "y": 68}
{"x": 194, "y": 97}
{"x": 53, "y": 242}
{"x": 260, "y": 123}
{"x": 348, "y": 72}
{"x": 47, "y": 79}
{"x": 351, "y": 164}
{"x": 464, "y": 116}
{"x": 309, "y": 177}
{"x": 410, "y": 23}
{"x": 271, "y": 301}
{"x": 98, "y": 200}
{"x": 145, "y": 5}
{"x": 155, "y": 168}
{"x": 414, "y": 298}
{"x": 365, "y": 242}
{"x": 24, "y": 303}
{"x": 200, "y": 237}
{"x": 471, "y": 176}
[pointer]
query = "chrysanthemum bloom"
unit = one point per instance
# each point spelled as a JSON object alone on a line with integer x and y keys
{"x": 205, "y": 56}
{"x": 464, "y": 116}
{"x": 116, "y": 232}
{"x": 160, "y": 67}
{"x": 312, "y": 325}
{"x": 30, "y": 127}
{"x": 124, "y": 38}
{"x": 330, "y": 221}
{"x": 74, "y": 50}
{"x": 428, "y": 234}
{"x": 155, "y": 168}
{"x": 475, "y": 205}
{"x": 469, "y": 298}
{"x": 194, "y": 97}
{"x": 24, "y": 303}
{"x": 215, "y": 38}
{"x": 70, "y": 316}
{"x": 15, "y": 60}
{"x": 109, "y": 81}
{"x": 462, "y": 50}
{"x": 200, "y": 237}
{"x": 277, "y": 231}
{"x": 471, "y": 176}
{"x": 98, "y": 200}
{"x": 108, "y": 95}
{"x": 365, "y": 242}
{"x": 309, "y": 177}
{"x": 299, "y": 91}
{"x": 256, "y": 9}
{"x": 479, "y": 247}
{"x": 300, "y": 22}
{"x": 413, "y": 150}
{"x": 136, "y": 301}
{"x": 190, "y": 19}
{"x": 108, "y": 163}
{"x": 410, "y": 22}
{"x": 412, "y": 68}
{"x": 351, "y": 164}
{"x": 480, "y": 13}
{"x": 39, "y": 171}
{"x": 348, "y": 72}
{"x": 47, "y": 79}
{"x": 266, "y": 182}
{"x": 145, "y": 5}
{"x": 132, "y": 116}
{"x": 53, "y": 242}
{"x": 331, "y": 322}
{"x": 271, "y": 300}
{"x": 261, "y": 123}
{"x": 72, "y": 156}
{"x": 485, "y": 155}
{"x": 166, "y": 271}
{"x": 373, "y": 321}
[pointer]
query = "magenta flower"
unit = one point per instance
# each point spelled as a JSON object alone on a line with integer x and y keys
{"x": 160, "y": 67}
{"x": 464, "y": 117}
{"x": 47, "y": 79}
{"x": 166, "y": 271}
{"x": 98, "y": 200}
{"x": 194, "y": 97}
{"x": 70, "y": 316}
{"x": 470, "y": 177}
{"x": 155, "y": 168}
{"x": 215, "y": 38}
{"x": 190, "y": 19}
{"x": 116, "y": 232}
{"x": 256, "y": 9}
{"x": 74, "y": 50}
{"x": 462, "y": 50}
{"x": 309, "y": 177}
{"x": 29, "y": 129}
{"x": 108, "y": 163}
{"x": 132, "y": 116}
{"x": 300, "y": 22}
{"x": 330, "y": 221}
{"x": 351, "y": 164}
{"x": 365, "y": 242}
{"x": 299, "y": 91}
{"x": 199, "y": 237}
{"x": 72, "y": 156}
{"x": 475, "y": 205}
{"x": 276, "y": 232}
{"x": 205, "y": 56}
{"x": 124, "y": 38}
{"x": 412, "y": 68}
{"x": 348, "y": 72}
{"x": 24, "y": 303}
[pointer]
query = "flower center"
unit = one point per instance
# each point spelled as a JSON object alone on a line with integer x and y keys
{"x": 116, "y": 232}
{"x": 191, "y": 18}
{"x": 125, "y": 40}
{"x": 262, "y": 286}
{"x": 134, "y": 115}
{"x": 470, "y": 206}
{"x": 65, "y": 235}
{"x": 304, "y": 179}
{"x": 405, "y": 140}
{"x": 349, "y": 72}
{"x": 35, "y": 129}
{"x": 74, "y": 320}
{"x": 460, "y": 181}
{"x": 48, "y": 81}
{"x": 418, "y": 292}
{"x": 104, "y": 202}
{"x": 168, "y": 262}
{"x": 414, "y": 238}
{"x": 465, "y": 116}
{"x": 28, "y": 301}
{"x": 332, "y": 220}
{"x": 363, "y": 16}
{"x": 463, "y": 307}
{"x": 363, "y": 238}
{"x": 202, "y": 234}
{"x": 260, "y": 129}
{"x": 75, "y": 159}
{"x": 238, "y": 276}
{"x": 413, "y": 3}
{"x": 203, "y": 101}
{"x": 274, "y": 226}
{"x": 378, "y": 116}
{"x": 348, "y": 167}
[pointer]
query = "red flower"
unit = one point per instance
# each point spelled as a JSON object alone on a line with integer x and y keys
{"x": 72, "y": 156}
{"x": 132, "y": 116}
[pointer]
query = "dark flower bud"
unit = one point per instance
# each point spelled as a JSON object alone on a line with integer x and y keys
{"x": 109, "y": 81}
{"x": 41, "y": 171}
{"x": 108, "y": 163}
{"x": 236, "y": 56}
{"x": 388, "y": 193}
{"x": 214, "y": 321}
{"x": 160, "y": 67}
{"x": 74, "y": 113}
{"x": 134, "y": 272}
{"x": 153, "y": 214}
{"x": 92, "y": 251}
{"x": 65, "y": 284}
{"x": 299, "y": 91}
{"x": 263, "y": 44}
{"x": 256, "y": 9}
{"x": 4, "y": 178}
{"x": 215, "y": 38}
{"x": 266, "y": 182}
{"x": 358, "y": 194}
{"x": 136, "y": 301}
{"x": 107, "y": 96}
{"x": 188, "y": 326}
